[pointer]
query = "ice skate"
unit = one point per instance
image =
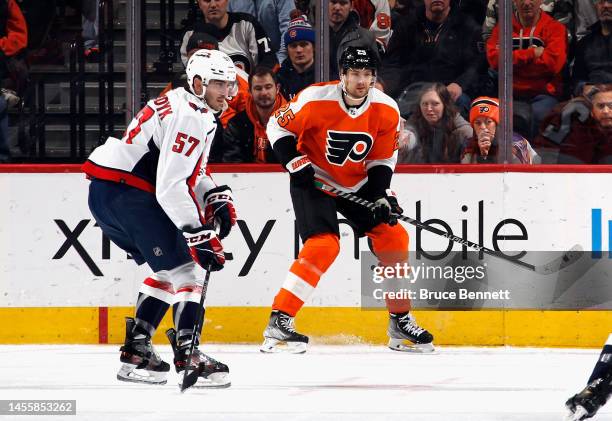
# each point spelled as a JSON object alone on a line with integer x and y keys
{"x": 585, "y": 404}
{"x": 280, "y": 335}
{"x": 141, "y": 363}
{"x": 406, "y": 336}
{"x": 212, "y": 373}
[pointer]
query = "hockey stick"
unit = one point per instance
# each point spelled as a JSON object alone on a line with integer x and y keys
{"x": 568, "y": 258}
{"x": 191, "y": 378}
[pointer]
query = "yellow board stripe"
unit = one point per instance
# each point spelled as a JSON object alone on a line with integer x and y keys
{"x": 82, "y": 325}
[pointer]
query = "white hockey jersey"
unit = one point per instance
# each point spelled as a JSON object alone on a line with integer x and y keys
{"x": 164, "y": 151}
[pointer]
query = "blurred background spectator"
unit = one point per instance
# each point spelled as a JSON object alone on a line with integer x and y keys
{"x": 13, "y": 70}
{"x": 90, "y": 29}
{"x": 483, "y": 147}
{"x": 273, "y": 15}
{"x": 375, "y": 15}
{"x": 593, "y": 62}
{"x": 345, "y": 30}
{"x": 579, "y": 131}
{"x": 297, "y": 71}
{"x": 435, "y": 44}
{"x": 240, "y": 35}
{"x": 245, "y": 138}
{"x": 435, "y": 133}
{"x": 576, "y": 15}
{"x": 539, "y": 55}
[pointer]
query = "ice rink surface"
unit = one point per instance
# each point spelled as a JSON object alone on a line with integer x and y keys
{"x": 327, "y": 383}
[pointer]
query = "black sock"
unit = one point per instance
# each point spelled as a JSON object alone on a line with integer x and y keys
{"x": 184, "y": 314}
{"x": 604, "y": 363}
{"x": 149, "y": 313}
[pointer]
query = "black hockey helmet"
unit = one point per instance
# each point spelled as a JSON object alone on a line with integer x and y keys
{"x": 358, "y": 58}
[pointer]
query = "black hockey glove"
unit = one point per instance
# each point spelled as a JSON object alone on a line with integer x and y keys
{"x": 301, "y": 171}
{"x": 205, "y": 247}
{"x": 386, "y": 209}
{"x": 219, "y": 209}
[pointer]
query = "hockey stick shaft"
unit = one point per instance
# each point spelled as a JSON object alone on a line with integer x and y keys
{"x": 420, "y": 225}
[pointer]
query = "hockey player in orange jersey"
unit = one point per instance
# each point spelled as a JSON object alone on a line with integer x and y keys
{"x": 343, "y": 133}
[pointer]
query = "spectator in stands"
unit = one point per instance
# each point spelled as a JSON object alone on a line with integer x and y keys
{"x": 433, "y": 45}
{"x": 579, "y": 131}
{"x": 13, "y": 39}
{"x": 245, "y": 139}
{"x": 240, "y": 36}
{"x": 435, "y": 133}
{"x": 585, "y": 15}
{"x": 90, "y": 29}
{"x": 344, "y": 31}
{"x": 483, "y": 147}
{"x": 297, "y": 71}
{"x": 539, "y": 55}
{"x": 272, "y": 14}
{"x": 576, "y": 15}
{"x": 593, "y": 62}
{"x": 375, "y": 15}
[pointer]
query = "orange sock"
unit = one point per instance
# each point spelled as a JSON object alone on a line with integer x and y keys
{"x": 390, "y": 244}
{"x": 317, "y": 255}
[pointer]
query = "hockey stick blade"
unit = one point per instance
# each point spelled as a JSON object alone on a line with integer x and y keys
{"x": 568, "y": 258}
{"x": 191, "y": 378}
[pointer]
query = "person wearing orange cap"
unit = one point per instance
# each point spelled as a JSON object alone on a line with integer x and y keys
{"x": 483, "y": 147}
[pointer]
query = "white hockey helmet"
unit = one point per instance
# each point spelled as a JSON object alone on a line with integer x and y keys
{"x": 211, "y": 65}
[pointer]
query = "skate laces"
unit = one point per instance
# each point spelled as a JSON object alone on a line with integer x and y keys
{"x": 409, "y": 325}
{"x": 288, "y": 323}
{"x": 207, "y": 359}
{"x": 150, "y": 351}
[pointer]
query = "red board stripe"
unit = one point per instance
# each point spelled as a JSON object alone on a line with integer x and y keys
{"x": 103, "y": 325}
{"x": 401, "y": 168}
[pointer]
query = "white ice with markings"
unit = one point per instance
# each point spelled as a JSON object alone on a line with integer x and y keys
{"x": 327, "y": 383}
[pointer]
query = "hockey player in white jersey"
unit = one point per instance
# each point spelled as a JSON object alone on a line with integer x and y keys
{"x": 586, "y": 403}
{"x": 152, "y": 195}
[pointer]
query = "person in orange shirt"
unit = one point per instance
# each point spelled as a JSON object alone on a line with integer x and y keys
{"x": 245, "y": 138}
{"x": 343, "y": 133}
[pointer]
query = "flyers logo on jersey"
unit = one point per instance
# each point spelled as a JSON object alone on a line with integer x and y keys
{"x": 341, "y": 146}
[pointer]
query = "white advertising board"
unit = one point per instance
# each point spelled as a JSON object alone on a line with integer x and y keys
{"x": 52, "y": 254}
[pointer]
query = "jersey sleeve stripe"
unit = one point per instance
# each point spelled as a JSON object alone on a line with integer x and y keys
{"x": 191, "y": 182}
{"x": 389, "y": 162}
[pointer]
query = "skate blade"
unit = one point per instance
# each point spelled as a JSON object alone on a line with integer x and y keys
{"x": 213, "y": 381}
{"x": 273, "y": 346}
{"x": 129, "y": 373}
{"x": 579, "y": 414}
{"x": 404, "y": 345}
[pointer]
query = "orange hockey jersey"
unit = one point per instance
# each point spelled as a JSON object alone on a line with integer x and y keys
{"x": 342, "y": 143}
